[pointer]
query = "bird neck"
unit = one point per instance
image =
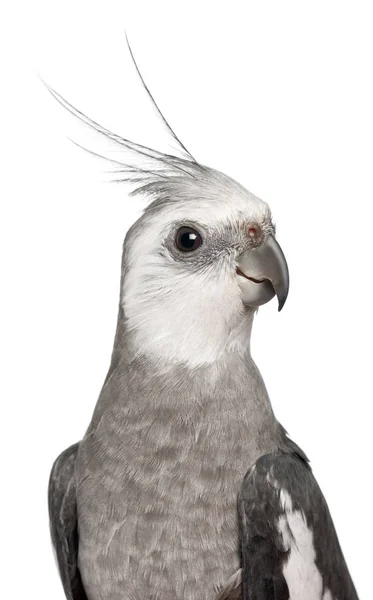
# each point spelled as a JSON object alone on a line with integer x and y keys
{"x": 194, "y": 343}
{"x": 223, "y": 406}
{"x": 232, "y": 376}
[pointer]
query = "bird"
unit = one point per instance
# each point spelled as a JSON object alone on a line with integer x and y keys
{"x": 185, "y": 486}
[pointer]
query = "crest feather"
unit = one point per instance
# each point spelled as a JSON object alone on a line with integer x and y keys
{"x": 142, "y": 166}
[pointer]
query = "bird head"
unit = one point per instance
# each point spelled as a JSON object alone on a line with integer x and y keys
{"x": 199, "y": 261}
{"x": 197, "y": 264}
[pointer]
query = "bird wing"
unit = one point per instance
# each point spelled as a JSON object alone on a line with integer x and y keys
{"x": 64, "y": 522}
{"x": 289, "y": 545}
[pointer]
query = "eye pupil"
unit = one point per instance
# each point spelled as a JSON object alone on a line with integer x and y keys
{"x": 188, "y": 239}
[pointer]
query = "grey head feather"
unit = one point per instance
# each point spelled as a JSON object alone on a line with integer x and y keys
{"x": 170, "y": 130}
{"x": 156, "y": 175}
{"x": 159, "y": 165}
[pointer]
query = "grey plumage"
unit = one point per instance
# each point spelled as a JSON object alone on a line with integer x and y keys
{"x": 64, "y": 523}
{"x": 265, "y": 550}
{"x": 145, "y": 506}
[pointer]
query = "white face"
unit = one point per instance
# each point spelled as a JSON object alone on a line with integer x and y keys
{"x": 186, "y": 306}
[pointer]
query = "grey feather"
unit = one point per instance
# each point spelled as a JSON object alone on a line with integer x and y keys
{"x": 160, "y": 468}
{"x": 165, "y": 122}
{"x": 264, "y": 553}
{"x": 63, "y": 522}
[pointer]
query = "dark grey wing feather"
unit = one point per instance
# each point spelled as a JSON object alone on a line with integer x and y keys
{"x": 63, "y": 522}
{"x": 287, "y": 535}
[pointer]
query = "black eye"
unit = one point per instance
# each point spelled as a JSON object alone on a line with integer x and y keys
{"x": 188, "y": 239}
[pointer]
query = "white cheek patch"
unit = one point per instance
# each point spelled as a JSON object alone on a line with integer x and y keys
{"x": 300, "y": 571}
{"x": 179, "y": 314}
{"x": 182, "y": 318}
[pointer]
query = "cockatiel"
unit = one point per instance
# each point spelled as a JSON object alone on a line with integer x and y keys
{"x": 185, "y": 486}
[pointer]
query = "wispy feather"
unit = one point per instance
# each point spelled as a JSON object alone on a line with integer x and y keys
{"x": 142, "y": 165}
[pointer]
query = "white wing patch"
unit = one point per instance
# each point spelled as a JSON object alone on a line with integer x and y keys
{"x": 300, "y": 571}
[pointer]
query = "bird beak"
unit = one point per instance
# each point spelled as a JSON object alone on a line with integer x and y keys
{"x": 263, "y": 273}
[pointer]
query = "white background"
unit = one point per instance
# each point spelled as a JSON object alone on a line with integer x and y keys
{"x": 276, "y": 94}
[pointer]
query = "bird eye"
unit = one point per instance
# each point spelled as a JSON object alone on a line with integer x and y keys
{"x": 188, "y": 239}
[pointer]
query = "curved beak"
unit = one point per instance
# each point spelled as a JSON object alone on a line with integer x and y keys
{"x": 263, "y": 273}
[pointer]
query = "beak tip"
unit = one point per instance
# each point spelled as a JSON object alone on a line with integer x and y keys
{"x": 281, "y": 304}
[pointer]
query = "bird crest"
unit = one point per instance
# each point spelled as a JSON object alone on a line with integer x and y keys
{"x": 145, "y": 168}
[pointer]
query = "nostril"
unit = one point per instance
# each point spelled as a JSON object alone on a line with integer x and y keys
{"x": 254, "y": 234}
